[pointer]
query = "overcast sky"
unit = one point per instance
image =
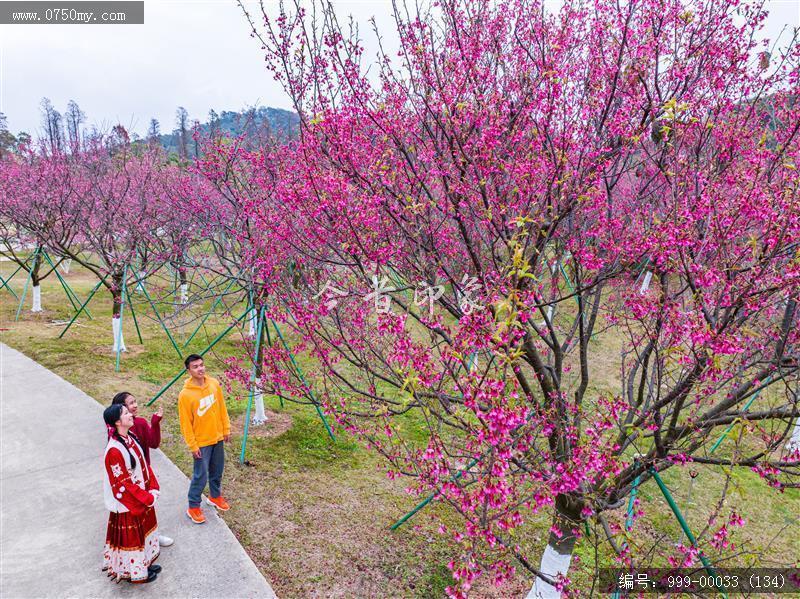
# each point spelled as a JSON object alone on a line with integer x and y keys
{"x": 192, "y": 53}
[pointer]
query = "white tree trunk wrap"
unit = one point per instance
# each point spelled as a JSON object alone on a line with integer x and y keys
{"x": 251, "y": 323}
{"x": 65, "y": 264}
{"x": 116, "y": 327}
{"x": 260, "y": 416}
{"x": 794, "y": 440}
{"x": 37, "y": 299}
{"x": 553, "y": 564}
{"x": 648, "y": 276}
{"x": 548, "y": 316}
{"x": 184, "y": 293}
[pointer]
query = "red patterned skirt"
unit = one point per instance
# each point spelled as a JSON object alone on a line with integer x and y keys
{"x": 131, "y": 545}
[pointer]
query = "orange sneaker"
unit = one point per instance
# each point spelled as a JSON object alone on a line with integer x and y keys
{"x": 196, "y": 514}
{"x": 219, "y": 503}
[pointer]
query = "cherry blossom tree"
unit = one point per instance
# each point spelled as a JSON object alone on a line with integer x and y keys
{"x": 118, "y": 211}
{"x": 236, "y": 194}
{"x": 175, "y": 236}
{"x": 529, "y": 169}
{"x": 34, "y": 191}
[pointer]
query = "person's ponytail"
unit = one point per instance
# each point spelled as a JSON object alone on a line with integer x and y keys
{"x": 128, "y": 449}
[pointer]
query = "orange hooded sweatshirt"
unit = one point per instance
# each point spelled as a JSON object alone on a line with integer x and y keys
{"x": 202, "y": 413}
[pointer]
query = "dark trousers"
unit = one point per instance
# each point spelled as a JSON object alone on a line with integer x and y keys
{"x": 208, "y": 468}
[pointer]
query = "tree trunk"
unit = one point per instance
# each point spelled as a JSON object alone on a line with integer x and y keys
{"x": 116, "y": 315}
{"x": 260, "y": 416}
{"x": 558, "y": 553}
{"x": 36, "y": 296}
{"x": 116, "y": 295}
{"x": 184, "y": 295}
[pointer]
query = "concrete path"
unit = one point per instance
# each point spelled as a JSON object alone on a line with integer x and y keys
{"x": 52, "y": 517}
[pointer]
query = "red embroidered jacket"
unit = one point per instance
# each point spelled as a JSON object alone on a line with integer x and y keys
{"x": 131, "y": 489}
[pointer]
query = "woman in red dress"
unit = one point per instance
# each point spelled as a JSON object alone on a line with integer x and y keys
{"x": 147, "y": 434}
{"x": 130, "y": 491}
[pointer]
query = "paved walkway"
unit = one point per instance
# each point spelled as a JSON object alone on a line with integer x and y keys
{"x": 52, "y": 517}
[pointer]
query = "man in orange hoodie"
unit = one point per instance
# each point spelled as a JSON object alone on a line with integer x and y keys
{"x": 205, "y": 427}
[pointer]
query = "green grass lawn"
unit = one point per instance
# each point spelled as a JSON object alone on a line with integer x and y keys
{"x": 314, "y": 515}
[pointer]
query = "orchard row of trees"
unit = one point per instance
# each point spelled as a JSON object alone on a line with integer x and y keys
{"x": 566, "y": 242}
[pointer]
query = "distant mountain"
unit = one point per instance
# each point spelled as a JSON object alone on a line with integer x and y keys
{"x": 254, "y": 124}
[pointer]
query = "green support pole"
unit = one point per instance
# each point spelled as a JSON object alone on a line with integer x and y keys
{"x": 431, "y": 497}
{"x": 83, "y": 307}
{"x": 71, "y": 295}
{"x": 397, "y": 280}
{"x": 60, "y": 280}
{"x": 133, "y": 313}
{"x": 24, "y": 293}
{"x": 631, "y": 502}
{"x": 121, "y": 310}
{"x": 197, "y": 270}
{"x": 302, "y": 378}
{"x": 569, "y": 283}
{"x": 418, "y": 507}
{"x": 213, "y": 307}
{"x": 8, "y": 280}
{"x": 629, "y": 520}
{"x": 641, "y": 270}
{"x": 674, "y": 507}
{"x": 269, "y": 342}
{"x": 455, "y": 477}
{"x": 161, "y": 322}
{"x": 202, "y": 353}
{"x": 259, "y": 328}
{"x": 730, "y": 427}
{"x": 27, "y": 282}
{"x": 471, "y": 359}
{"x": 572, "y": 289}
{"x": 4, "y": 283}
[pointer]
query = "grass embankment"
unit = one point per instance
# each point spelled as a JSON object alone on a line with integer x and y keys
{"x": 314, "y": 515}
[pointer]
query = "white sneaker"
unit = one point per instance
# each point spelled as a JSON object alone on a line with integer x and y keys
{"x": 165, "y": 541}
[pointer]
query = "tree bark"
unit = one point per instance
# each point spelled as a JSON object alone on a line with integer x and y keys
{"x": 184, "y": 293}
{"x": 36, "y": 295}
{"x": 116, "y": 320}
